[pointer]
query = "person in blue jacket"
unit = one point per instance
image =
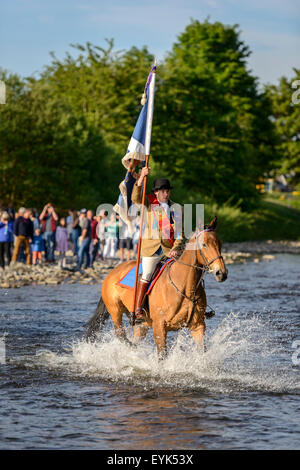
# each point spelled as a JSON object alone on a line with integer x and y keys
{"x": 6, "y": 238}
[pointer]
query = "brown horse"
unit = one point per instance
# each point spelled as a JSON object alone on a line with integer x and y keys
{"x": 177, "y": 299}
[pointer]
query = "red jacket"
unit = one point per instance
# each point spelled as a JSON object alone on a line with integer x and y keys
{"x": 53, "y": 223}
{"x": 94, "y": 224}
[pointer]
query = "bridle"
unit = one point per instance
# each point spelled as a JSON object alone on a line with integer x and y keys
{"x": 205, "y": 266}
{"x": 204, "y": 269}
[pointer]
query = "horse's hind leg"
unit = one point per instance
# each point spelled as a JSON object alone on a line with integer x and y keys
{"x": 116, "y": 311}
{"x": 139, "y": 332}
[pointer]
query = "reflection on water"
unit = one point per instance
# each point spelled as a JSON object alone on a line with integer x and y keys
{"x": 62, "y": 392}
{"x": 156, "y": 422}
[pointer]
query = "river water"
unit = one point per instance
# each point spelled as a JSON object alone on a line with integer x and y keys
{"x": 58, "y": 391}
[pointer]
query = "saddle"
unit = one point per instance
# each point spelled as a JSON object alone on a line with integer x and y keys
{"x": 158, "y": 271}
{"x": 128, "y": 279}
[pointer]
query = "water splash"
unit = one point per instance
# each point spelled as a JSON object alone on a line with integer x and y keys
{"x": 242, "y": 354}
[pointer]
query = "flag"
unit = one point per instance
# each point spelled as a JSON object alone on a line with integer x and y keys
{"x": 135, "y": 151}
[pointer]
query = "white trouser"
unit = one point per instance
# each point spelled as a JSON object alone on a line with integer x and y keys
{"x": 149, "y": 264}
{"x": 110, "y": 248}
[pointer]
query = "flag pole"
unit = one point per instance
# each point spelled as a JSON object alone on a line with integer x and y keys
{"x": 147, "y": 156}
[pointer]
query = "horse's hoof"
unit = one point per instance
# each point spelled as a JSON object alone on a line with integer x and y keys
{"x": 140, "y": 320}
{"x": 162, "y": 356}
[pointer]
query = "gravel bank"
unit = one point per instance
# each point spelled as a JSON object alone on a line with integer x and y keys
{"x": 18, "y": 274}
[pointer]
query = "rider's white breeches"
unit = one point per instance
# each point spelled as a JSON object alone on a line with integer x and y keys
{"x": 149, "y": 264}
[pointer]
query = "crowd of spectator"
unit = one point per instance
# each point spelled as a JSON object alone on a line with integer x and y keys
{"x": 34, "y": 238}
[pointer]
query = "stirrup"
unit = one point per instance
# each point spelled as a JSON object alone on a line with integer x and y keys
{"x": 209, "y": 314}
{"x": 134, "y": 320}
{"x": 141, "y": 317}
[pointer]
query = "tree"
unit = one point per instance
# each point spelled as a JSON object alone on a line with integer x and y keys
{"x": 104, "y": 87}
{"x": 286, "y": 116}
{"x": 63, "y": 135}
{"x": 46, "y": 151}
{"x": 212, "y": 117}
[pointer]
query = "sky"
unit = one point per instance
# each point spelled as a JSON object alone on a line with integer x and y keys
{"x": 30, "y": 29}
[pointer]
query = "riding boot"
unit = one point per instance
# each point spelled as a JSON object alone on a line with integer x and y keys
{"x": 140, "y": 296}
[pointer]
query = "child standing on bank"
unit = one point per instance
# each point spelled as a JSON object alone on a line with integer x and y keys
{"x": 37, "y": 247}
{"x": 62, "y": 241}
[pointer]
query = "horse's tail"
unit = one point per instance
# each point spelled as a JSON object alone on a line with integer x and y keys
{"x": 96, "y": 323}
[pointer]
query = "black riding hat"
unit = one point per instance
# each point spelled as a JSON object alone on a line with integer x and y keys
{"x": 161, "y": 183}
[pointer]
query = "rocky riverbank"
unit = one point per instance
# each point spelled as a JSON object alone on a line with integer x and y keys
{"x": 263, "y": 247}
{"x": 257, "y": 251}
{"x": 18, "y": 274}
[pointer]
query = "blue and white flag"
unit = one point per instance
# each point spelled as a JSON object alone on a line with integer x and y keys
{"x": 135, "y": 151}
{"x": 136, "y": 147}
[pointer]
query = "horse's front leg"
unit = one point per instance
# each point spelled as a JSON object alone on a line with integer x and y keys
{"x": 160, "y": 338}
{"x": 198, "y": 333}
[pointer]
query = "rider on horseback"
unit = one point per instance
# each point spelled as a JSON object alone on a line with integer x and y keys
{"x": 162, "y": 236}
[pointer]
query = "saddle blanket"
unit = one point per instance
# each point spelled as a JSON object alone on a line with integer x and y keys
{"x": 129, "y": 278}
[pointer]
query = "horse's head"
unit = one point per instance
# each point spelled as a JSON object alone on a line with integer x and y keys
{"x": 208, "y": 247}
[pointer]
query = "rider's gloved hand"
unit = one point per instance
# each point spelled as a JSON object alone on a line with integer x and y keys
{"x": 173, "y": 254}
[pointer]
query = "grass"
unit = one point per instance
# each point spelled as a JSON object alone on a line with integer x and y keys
{"x": 291, "y": 200}
{"x": 275, "y": 221}
{"x": 276, "y": 218}
{"x": 271, "y": 221}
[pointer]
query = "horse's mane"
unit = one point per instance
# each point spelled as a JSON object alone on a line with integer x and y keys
{"x": 184, "y": 243}
{"x": 186, "y": 240}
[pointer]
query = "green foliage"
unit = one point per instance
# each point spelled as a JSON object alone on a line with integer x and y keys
{"x": 103, "y": 87}
{"x": 214, "y": 120}
{"x": 47, "y": 151}
{"x": 286, "y": 115}
{"x": 276, "y": 222}
{"x": 271, "y": 222}
{"x": 291, "y": 200}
